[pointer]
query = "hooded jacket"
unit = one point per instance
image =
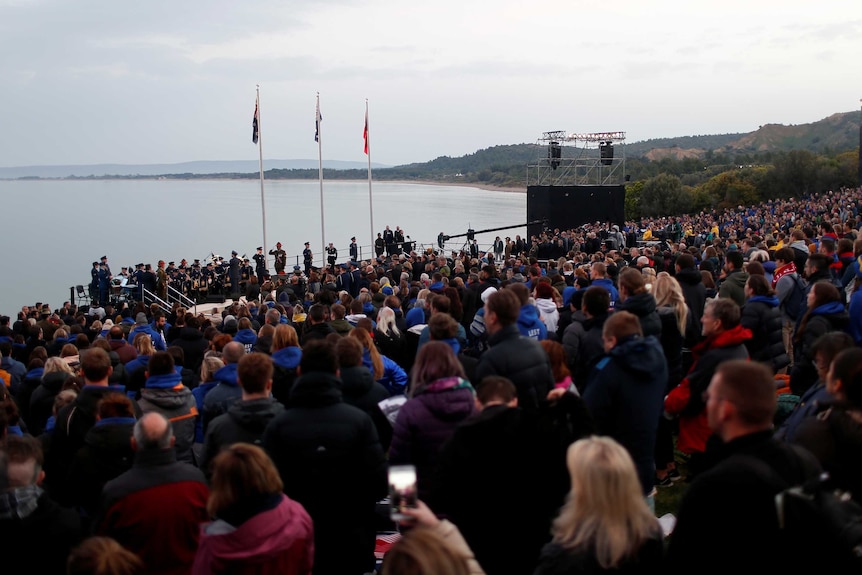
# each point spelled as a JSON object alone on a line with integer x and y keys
{"x": 247, "y": 338}
{"x": 825, "y": 318}
{"x": 394, "y": 377}
{"x": 733, "y": 287}
{"x": 686, "y": 399}
{"x": 530, "y": 324}
{"x": 167, "y": 395}
{"x": 276, "y": 541}
{"x": 761, "y": 315}
{"x": 158, "y": 342}
{"x": 548, "y": 313}
{"x": 284, "y": 363}
{"x": 244, "y": 422}
{"x": 643, "y": 305}
{"x": 425, "y": 422}
{"x": 625, "y": 397}
{"x": 222, "y": 396}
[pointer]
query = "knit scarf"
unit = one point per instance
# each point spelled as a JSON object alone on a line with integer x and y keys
{"x": 781, "y": 272}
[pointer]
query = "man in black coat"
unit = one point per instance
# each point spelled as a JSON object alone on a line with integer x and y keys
{"x": 694, "y": 292}
{"x": 330, "y": 460}
{"x": 521, "y": 359}
{"x": 727, "y": 517}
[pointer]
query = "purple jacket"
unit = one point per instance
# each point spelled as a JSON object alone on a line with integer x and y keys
{"x": 425, "y": 422}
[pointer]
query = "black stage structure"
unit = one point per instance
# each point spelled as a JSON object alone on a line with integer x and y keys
{"x": 580, "y": 181}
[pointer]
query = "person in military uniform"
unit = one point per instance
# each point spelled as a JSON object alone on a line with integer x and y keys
{"x": 307, "y": 258}
{"x": 260, "y": 265}
{"x": 234, "y": 275}
{"x": 162, "y": 281}
{"x": 389, "y": 240}
{"x": 280, "y": 258}
{"x": 195, "y": 280}
{"x": 398, "y": 240}
{"x": 331, "y": 256}
{"x": 94, "y": 283}
{"x": 379, "y": 245}
{"x": 104, "y": 283}
{"x": 354, "y": 250}
{"x": 245, "y": 273}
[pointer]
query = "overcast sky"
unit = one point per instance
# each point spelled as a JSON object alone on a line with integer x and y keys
{"x": 159, "y": 81}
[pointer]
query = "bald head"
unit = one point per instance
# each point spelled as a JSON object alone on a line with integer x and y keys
{"x": 153, "y": 432}
{"x": 232, "y": 352}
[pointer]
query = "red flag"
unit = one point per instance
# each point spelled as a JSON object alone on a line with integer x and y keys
{"x": 365, "y": 132}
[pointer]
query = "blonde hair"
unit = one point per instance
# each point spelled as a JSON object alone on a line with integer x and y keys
{"x": 421, "y": 551}
{"x": 668, "y": 292}
{"x": 209, "y": 366}
{"x": 144, "y": 344}
{"x": 386, "y": 321}
{"x": 605, "y": 510}
{"x": 53, "y": 364}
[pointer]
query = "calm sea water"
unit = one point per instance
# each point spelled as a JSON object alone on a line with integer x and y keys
{"x": 54, "y": 230}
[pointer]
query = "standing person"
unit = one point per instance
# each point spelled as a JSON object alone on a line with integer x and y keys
{"x": 260, "y": 265}
{"x": 727, "y": 517}
{"x": 605, "y": 526}
{"x": 255, "y": 528}
{"x": 162, "y": 281}
{"x": 165, "y": 393}
{"x": 498, "y": 249}
{"x": 512, "y": 355}
{"x": 233, "y": 275}
{"x": 724, "y": 340}
{"x": 307, "y": 258}
{"x": 389, "y": 241}
{"x": 219, "y": 399}
{"x": 316, "y": 444}
{"x": 165, "y": 535}
{"x": 626, "y": 391}
{"x": 331, "y": 257}
{"x": 280, "y": 258}
{"x": 354, "y": 250}
{"x": 379, "y": 245}
{"x": 94, "y": 283}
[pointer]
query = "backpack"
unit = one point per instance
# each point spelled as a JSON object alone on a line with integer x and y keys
{"x": 794, "y": 304}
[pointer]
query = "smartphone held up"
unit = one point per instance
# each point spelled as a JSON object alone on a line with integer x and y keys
{"x": 402, "y": 491}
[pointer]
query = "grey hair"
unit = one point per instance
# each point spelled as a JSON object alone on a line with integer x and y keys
{"x": 146, "y": 441}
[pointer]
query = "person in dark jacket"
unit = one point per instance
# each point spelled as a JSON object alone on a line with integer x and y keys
{"x": 117, "y": 341}
{"x": 36, "y": 533}
{"x": 582, "y": 339}
{"x": 635, "y": 298}
{"x": 505, "y": 450}
{"x": 761, "y": 315}
{"x": 193, "y": 343}
{"x": 825, "y": 313}
{"x": 165, "y": 393}
{"x": 316, "y": 326}
{"x": 359, "y": 389}
{"x": 227, "y": 391}
{"x": 694, "y": 292}
{"x": 627, "y": 389}
{"x": 54, "y": 376}
{"x": 330, "y": 460}
{"x": 165, "y": 535}
{"x": 246, "y": 419}
{"x": 106, "y": 454}
{"x": 733, "y": 278}
{"x": 518, "y": 358}
{"x": 439, "y": 399}
{"x": 727, "y": 517}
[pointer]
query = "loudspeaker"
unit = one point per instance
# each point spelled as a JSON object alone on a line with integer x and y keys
{"x": 606, "y": 151}
{"x": 215, "y": 298}
{"x": 555, "y": 152}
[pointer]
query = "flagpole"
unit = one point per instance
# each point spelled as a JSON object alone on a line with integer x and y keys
{"x": 368, "y": 153}
{"x": 260, "y": 159}
{"x": 318, "y": 136}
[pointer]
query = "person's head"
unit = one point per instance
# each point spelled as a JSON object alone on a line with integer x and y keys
{"x": 826, "y": 347}
{"x": 620, "y": 326}
{"x": 319, "y": 355}
{"x": 734, "y": 260}
{"x": 435, "y": 360}
{"x": 386, "y": 321}
{"x": 740, "y": 399}
{"x": 317, "y": 313}
{"x": 337, "y": 311}
{"x": 99, "y": 555}
{"x": 822, "y": 293}
{"x": 605, "y": 501}
{"x": 631, "y": 282}
{"x": 143, "y": 343}
{"x": 24, "y": 460}
{"x": 719, "y": 315}
{"x": 496, "y": 390}
{"x": 349, "y": 352}
{"x": 784, "y": 256}
{"x": 817, "y": 264}
{"x": 285, "y": 336}
{"x": 96, "y": 365}
{"x": 153, "y": 432}
{"x": 501, "y": 309}
{"x": 557, "y": 355}
{"x": 232, "y": 352}
{"x": 844, "y": 380}
{"x": 421, "y": 551}
{"x": 115, "y": 405}
{"x": 254, "y": 374}
{"x": 520, "y": 290}
{"x": 210, "y": 365}
{"x": 758, "y": 285}
{"x": 596, "y": 301}
{"x": 241, "y": 474}
{"x": 55, "y": 364}
{"x": 685, "y": 261}
{"x": 442, "y": 326}
{"x": 161, "y": 363}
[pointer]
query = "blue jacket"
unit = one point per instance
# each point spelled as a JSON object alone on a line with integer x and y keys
{"x": 855, "y": 309}
{"x": 530, "y": 324}
{"x": 222, "y": 396}
{"x": 158, "y": 342}
{"x": 608, "y": 285}
{"x": 287, "y": 357}
{"x": 200, "y": 393}
{"x": 247, "y": 338}
{"x": 415, "y": 316}
{"x": 394, "y": 377}
{"x": 17, "y": 371}
{"x": 625, "y": 395}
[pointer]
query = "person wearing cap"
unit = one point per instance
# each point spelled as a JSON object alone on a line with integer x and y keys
{"x": 234, "y": 274}
{"x": 104, "y": 260}
{"x": 331, "y": 256}
{"x": 280, "y": 258}
{"x": 245, "y": 273}
{"x": 259, "y": 264}
{"x": 307, "y": 258}
{"x": 354, "y": 249}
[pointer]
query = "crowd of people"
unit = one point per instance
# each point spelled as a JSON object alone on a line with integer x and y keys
{"x": 543, "y": 390}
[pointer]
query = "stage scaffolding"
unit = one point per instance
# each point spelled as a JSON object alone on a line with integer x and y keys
{"x": 594, "y": 159}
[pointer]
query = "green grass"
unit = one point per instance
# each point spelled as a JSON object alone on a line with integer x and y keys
{"x": 668, "y": 498}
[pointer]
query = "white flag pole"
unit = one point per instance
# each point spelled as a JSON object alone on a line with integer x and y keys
{"x": 260, "y": 159}
{"x": 318, "y": 120}
{"x": 368, "y": 153}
